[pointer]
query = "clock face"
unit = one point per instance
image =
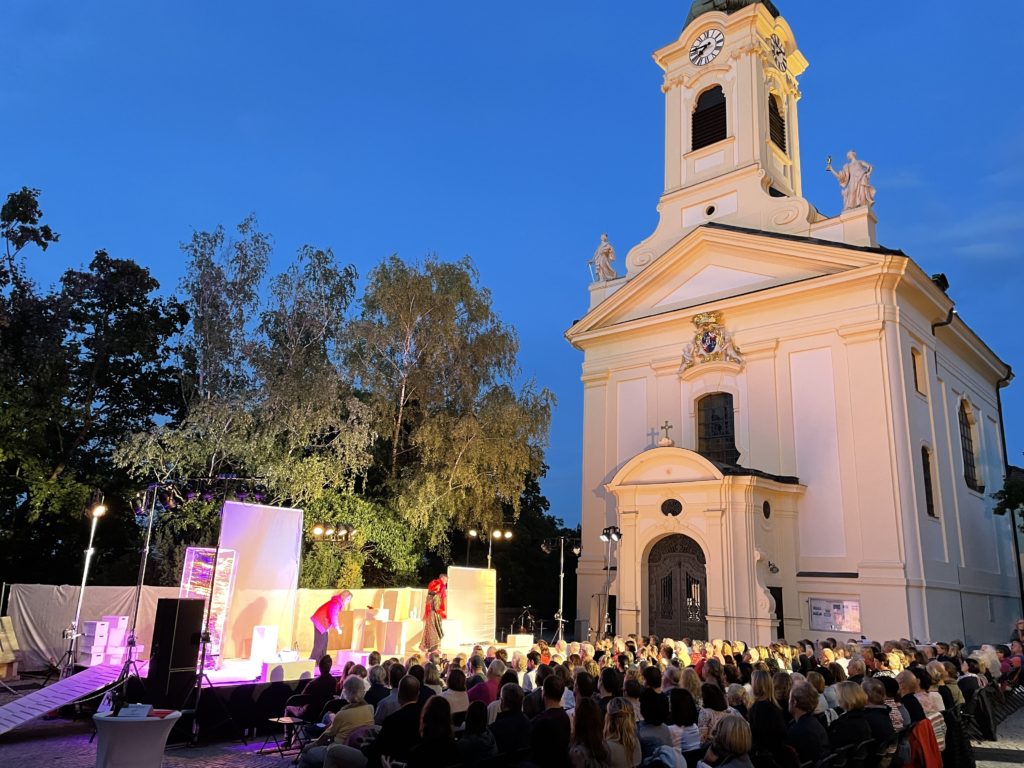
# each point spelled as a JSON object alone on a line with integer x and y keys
{"x": 707, "y": 46}
{"x": 778, "y": 52}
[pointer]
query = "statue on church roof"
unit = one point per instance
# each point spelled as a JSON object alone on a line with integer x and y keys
{"x": 700, "y": 7}
{"x": 855, "y": 181}
{"x": 602, "y": 261}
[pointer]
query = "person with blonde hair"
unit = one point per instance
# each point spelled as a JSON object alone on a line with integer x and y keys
{"x": 730, "y": 744}
{"x": 852, "y": 726}
{"x": 691, "y": 682}
{"x": 766, "y": 719}
{"x": 620, "y": 737}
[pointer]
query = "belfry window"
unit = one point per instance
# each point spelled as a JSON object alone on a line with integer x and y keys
{"x": 967, "y": 447}
{"x": 709, "y": 124}
{"x": 716, "y": 430}
{"x": 776, "y": 122}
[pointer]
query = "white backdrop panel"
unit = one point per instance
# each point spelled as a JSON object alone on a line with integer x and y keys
{"x": 268, "y": 541}
{"x": 472, "y": 602}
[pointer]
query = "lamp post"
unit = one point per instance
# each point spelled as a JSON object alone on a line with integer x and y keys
{"x": 548, "y": 547}
{"x": 610, "y": 534}
{"x": 493, "y": 534}
{"x": 67, "y": 666}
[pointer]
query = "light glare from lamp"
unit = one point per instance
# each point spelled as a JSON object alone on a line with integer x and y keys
{"x": 329, "y": 532}
{"x": 497, "y": 534}
{"x": 508, "y": 534}
{"x": 99, "y": 510}
{"x": 473, "y": 532}
{"x": 318, "y": 530}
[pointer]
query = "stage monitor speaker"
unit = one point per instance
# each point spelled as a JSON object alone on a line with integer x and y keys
{"x": 175, "y": 650}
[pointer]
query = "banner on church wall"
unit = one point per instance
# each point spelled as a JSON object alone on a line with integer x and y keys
{"x": 828, "y": 615}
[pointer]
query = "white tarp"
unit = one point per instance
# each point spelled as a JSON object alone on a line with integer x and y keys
{"x": 41, "y": 612}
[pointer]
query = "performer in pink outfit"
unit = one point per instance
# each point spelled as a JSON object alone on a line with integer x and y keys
{"x": 436, "y": 610}
{"x": 324, "y": 618}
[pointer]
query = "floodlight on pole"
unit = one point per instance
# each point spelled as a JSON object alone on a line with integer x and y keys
{"x": 71, "y": 634}
{"x": 548, "y": 547}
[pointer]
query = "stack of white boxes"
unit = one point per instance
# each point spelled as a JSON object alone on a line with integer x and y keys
{"x": 103, "y": 642}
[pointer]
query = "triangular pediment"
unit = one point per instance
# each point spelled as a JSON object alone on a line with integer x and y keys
{"x": 717, "y": 262}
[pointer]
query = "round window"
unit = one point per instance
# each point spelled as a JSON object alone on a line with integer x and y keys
{"x": 766, "y": 510}
{"x": 671, "y": 507}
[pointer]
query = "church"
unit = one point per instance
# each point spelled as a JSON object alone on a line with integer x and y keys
{"x": 788, "y": 430}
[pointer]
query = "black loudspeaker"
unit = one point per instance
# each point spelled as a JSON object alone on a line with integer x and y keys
{"x": 175, "y": 650}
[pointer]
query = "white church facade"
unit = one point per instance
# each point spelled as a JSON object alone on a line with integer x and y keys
{"x": 788, "y": 431}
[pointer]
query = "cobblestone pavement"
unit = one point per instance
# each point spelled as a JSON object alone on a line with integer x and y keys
{"x": 65, "y": 744}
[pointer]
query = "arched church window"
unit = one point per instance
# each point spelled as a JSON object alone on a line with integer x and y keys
{"x": 929, "y": 493}
{"x": 776, "y": 122}
{"x": 716, "y": 430}
{"x": 709, "y": 118}
{"x": 967, "y": 447}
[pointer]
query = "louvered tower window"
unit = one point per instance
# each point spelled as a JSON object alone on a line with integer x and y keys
{"x": 709, "y": 118}
{"x": 776, "y": 122}
{"x": 716, "y": 430}
{"x": 967, "y": 447}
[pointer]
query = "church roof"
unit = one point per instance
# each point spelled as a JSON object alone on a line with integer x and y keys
{"x": 736, "y": 469}
{"x": 700, "y": 7}
{"x": 804, "y": 239}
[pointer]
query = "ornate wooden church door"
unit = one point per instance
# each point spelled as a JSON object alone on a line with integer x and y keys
{"x": 678, "y": 589}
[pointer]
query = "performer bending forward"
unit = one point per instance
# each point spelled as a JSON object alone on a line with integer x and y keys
{"x": 324, "y": 619}
{"x": 437, "y": 609}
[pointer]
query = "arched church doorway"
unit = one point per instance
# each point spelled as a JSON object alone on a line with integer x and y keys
{"x": 677, "y": 589}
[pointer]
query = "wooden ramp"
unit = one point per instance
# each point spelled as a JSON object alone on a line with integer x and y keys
{"x": 32, "y": 705}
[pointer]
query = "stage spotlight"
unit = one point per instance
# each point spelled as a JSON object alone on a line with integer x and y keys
{"x": 604, "y": 535}
{"x": 497, "y": 534}
{"x": 546, "y": 547}
{"x": 329, "y": 532}
{"x": 576, "y": 549}
{"x": 616, "y": 534}
{"x": 508, "y": 534}
{"x": 473, "y": 532}
{"x": 318, "y": 530}
{"x": 98, "y": 511}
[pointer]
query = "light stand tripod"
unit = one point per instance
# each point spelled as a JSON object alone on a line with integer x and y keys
{"x": 66, "y": 665}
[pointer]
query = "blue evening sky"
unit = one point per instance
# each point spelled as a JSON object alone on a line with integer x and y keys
{"x": 513, "y": 132}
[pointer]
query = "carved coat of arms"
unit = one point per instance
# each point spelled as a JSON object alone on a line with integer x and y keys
{"x": 710, "y": 343}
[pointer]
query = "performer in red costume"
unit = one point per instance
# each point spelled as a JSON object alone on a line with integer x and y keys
{"x": 437, "y": 609}
{"x": 326, "y": 617}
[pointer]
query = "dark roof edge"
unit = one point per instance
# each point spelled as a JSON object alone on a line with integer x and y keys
{"x": 805, "y": 239}
{"x": 737, "y": 470}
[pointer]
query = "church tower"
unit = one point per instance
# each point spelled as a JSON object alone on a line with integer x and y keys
{"x": 732, "y": 138}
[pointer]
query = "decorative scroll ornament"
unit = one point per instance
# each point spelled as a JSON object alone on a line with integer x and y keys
{"x": 711, "y": 343}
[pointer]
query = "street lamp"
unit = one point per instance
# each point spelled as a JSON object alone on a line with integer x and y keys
{"x": 328, "y": 532}
{"x": 71, "y": 634}
{"x": 610, "y": 534}
{"x": 548, "y": 547}
{"x": 494, "y": 534}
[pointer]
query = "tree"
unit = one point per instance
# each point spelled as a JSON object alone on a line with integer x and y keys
{"x": 81, "y": 366}
{"x": 436, "y": 365}
{"x": 19, "y": 226}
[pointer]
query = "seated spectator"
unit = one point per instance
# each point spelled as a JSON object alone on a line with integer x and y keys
{"x": 477, "y": 743}
{"x": 730, "y": 744}
{"x": 378, "y": 690}
{"x": 930, "y": 700}
{"x": 588, "y": 747}
{"x": 609, "y": 686}
{"x": 652, "y": 677}
{"x": 552, "y": 731}
{"x": 475, "y": 670}
{"x": 487, "y": 691}
{"x": 713, "y": 709}
{"x": 937, "y": 671}
{"x": 356, "y": 714}
{"x": 816, "y": 679}
{"x": 568, "y": 697}
{"x": 806, "y": 735}
{"x": 898, "y": 713}
{"x": 970, "y": 679}
{"x": 877, "y": 712}
{"x": 782, "y": 683}
{"x": 909, "y": 688}
{"x": 851, "y": 727}
{"x": 511, "y": 728}
{"x": 509, "y": 678}
{"x": 320, "y": 690}
{"x": 432, "y": 678}
{"x": 456, "y": 695}
{"x": 437, "y": 738}
{"x": 533, "y": 704}
{"x": 389, "y": 704}
{"x": 682, "y": 722}
{"x": 855, "y": 671}
{"x": 620, "y": 736}
{"x": 766, "y": 720}
{"x": 736, "y": 698}
{"x": 632, "y": 690}
{"x": 691, "y": 682}
{"x": 653, "y": 732}
{"x": 530, "y": 674}
{"x": 400, "y": 731}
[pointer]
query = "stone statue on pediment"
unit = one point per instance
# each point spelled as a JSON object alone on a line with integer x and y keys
{"x": 602, "y": 261}
{"x": 855, "y": 181}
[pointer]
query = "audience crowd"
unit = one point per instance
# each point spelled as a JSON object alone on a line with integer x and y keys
{"x": 632, "y": 702}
